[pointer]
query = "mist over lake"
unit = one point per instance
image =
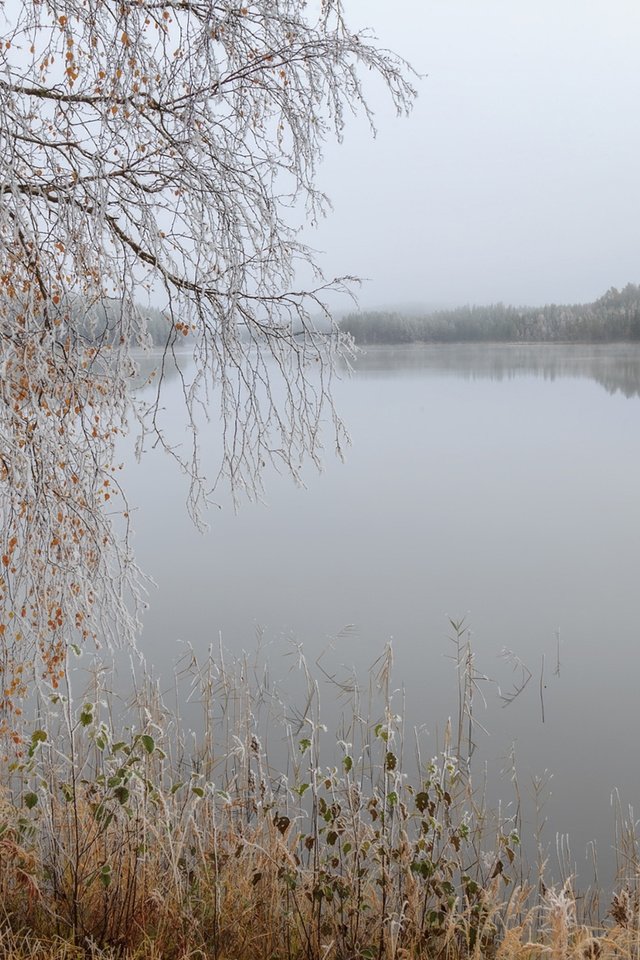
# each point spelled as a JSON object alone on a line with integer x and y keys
{"x": 492, "y": 484}
{"x": 319, "y": 473}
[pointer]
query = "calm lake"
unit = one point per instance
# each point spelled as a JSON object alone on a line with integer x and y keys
{"x": 499, "y": 484}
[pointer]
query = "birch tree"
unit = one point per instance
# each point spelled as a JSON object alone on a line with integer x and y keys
{"x": 158, "y": 152}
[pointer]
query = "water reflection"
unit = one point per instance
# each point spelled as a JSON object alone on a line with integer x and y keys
{"x": 498, "y": 483}
{"x": 151, "y": 363}
{"x": 616, "y": 367}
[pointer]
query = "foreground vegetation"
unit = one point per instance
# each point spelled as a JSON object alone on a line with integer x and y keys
{"x": 131, "y": 838}
{"x": 613, "y": 317}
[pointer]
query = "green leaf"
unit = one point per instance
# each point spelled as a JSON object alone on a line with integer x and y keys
{"x": 199, "y": 792}
{"x": 381, "y": 732}
{"x": 121, "y": 794}
{"x": 302, "y": 789}
{"x": 425, "y": 868}
{"x": 347, "y": 763}
{"x": 305, "y": 744}
{"x": 472, "y": 887}
{"x": 67, "y": 792}
{"x": 148, "y": 742}
{"x": 38, "y": 736}
{"x": 105, "y": 875}
{"x": 30, "y": 800}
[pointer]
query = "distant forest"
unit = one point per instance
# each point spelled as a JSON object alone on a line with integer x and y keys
{"x": 613, "y": 317}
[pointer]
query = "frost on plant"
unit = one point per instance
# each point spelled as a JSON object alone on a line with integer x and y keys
{"x": 153, "y": 153}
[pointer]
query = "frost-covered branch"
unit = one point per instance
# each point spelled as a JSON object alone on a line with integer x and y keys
{"x": 154, "y": 150}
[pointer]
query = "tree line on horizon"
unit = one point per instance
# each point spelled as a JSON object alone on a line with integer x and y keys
{"x": 615, "y": 316}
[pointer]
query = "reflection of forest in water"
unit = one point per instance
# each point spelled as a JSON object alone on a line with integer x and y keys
{"x": 616, "y": 367}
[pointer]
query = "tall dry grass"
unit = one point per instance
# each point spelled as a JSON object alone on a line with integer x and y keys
{"x": 122, "y": 834}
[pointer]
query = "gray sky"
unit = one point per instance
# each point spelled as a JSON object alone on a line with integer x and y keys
{"x": 517, "y": 177}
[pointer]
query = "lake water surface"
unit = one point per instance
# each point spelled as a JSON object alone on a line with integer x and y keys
{"x": 499, "y": 484}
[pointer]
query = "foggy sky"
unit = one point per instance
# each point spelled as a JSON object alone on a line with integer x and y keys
{"x": 517, "y": 176}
